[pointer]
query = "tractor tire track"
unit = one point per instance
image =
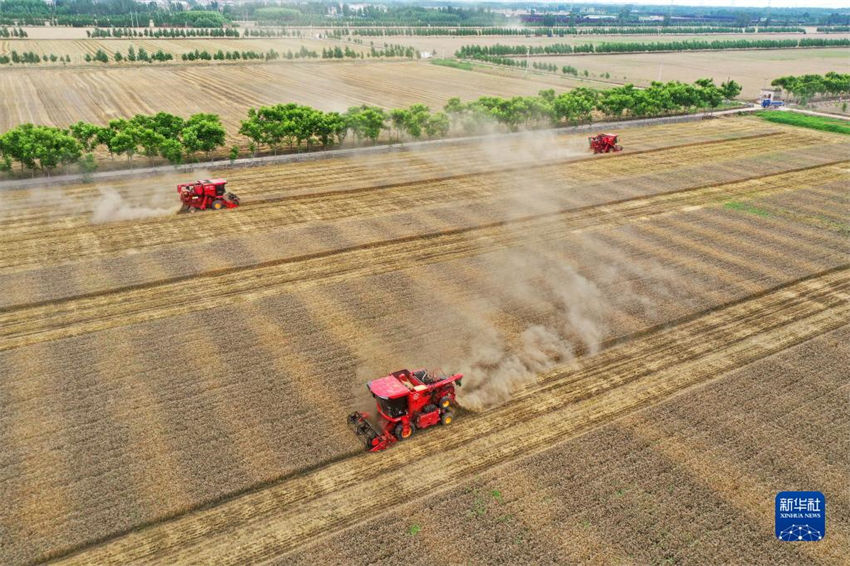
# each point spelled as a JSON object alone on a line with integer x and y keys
{"x": 410, "y": 163}
{"x": 37, "y": 322}
{"x": 68, "y": 242}
{"x": 266, "y": 522}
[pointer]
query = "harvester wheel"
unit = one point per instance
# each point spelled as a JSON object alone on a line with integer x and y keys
{"x": 445, "y": 402}
{"x": 447, "y": 418}
{"x": 217, "y": 204}
{"x": 399, "y": 431}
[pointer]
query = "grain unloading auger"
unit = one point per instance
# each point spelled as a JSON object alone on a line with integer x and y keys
{"x": 209, "y": 194}
{"x": 406, "y": 401}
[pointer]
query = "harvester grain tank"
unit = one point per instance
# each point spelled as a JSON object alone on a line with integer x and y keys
{"x": 209, "y": 194}
{"x": 604, "y": 143}
{"x": 406, "y": 401}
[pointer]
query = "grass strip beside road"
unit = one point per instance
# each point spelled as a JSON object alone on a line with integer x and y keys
{"x": 835, "y": 125}
{"x": 453, "y": 64}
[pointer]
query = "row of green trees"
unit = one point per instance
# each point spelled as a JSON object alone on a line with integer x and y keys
{"x": 295, "y": 126}
{"x": 540, "y": 66}
{"x": 38, "y": 147}
{"x": 162, "y": 32}
{"x": 476, "y": 51}
{"x": 270, "y": 55}
{"x": 335, "y": 14}
{"x": 31, "y": 57}
{"x": 14, "y": 32}
{"x": 84, "y": 13}
{"x": 506, "y": 61}
{"x": 389, "y": 50}
{"x": 562, "y": 31}
{"x": 579, "y": 105}
{"x": 775, "y": 29}
{"x": 661, "y": 98}
{"x": 142, "y": 55}
{"x": 339, "y": 53}
{"x": 162, "y": 135}
{"x": 720, "y": 44}
{"x": 292, "y": 125}
{"x": 551, "y": 67}
{"x": 804, "y": 87}
{"x": 266, "y": 32}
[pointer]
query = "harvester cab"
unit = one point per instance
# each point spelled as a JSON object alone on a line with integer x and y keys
{"x": 406, "y": 401}
{"x": 205, "y": 195}
{"x": 604, "y": 143}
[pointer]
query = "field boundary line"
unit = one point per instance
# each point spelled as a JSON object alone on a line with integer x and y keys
{"x": 212, "y": 274}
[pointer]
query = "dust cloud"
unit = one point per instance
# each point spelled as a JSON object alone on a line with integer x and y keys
{"x": 547, "y": 298}
{"x": 112, "y": 206}
{"x": 140, "y": 199}
{"x": 499, "y": 362}
{"x": 543, "y": 313}
{"x": 534, "y": 278}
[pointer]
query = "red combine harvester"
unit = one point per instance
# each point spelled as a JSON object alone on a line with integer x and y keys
{"x": 203, "y": 195}
{"x": 406, "y": 401}
{"x": 604, "y": 143}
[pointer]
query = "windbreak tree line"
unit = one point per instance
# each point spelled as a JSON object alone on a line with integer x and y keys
{"x": 270, "y": 55}
{"x": 14, "y": 32}
{"x": 108, "y": 13}
{"x": 477, "y": 51}
{"x": 31, "y": 57}
{"x": 140, "y": 54}
{"x": 132, "y": 55}
{"x": 506, "y": 61}
{"x": 163, "y": 32}
{"x": 293, "y": 126}
{"x": 162, "y": 135}
{"x": 579, "y": 104}
{"x": 804, "y": 87}
{"x": 296, "y": 127}
{"x": 342, "y": 14}
{"x": 560, "y": 31}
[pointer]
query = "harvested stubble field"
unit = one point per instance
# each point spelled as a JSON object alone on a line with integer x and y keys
{"x": 753, "y": 69}
{"x": 78, "y": 48}
{"x": 175, "y": 387}
{"x": 62, "y": 96}
{"x": 445, "y": 46}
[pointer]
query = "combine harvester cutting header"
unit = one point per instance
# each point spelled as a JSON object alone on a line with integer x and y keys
{"x": 205, "y": 195}
{"x": 406, "y": 401}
